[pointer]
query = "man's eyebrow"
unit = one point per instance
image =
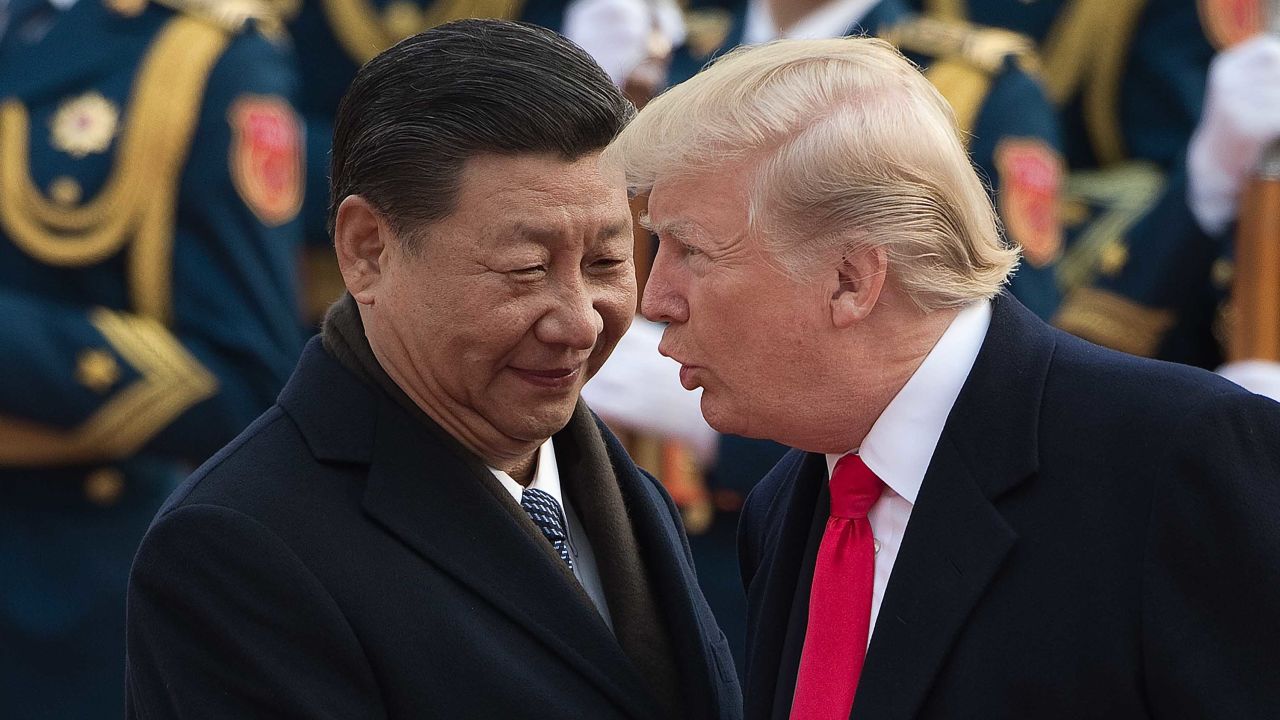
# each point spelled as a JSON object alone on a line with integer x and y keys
{"x": 531, "y": 231}
{"x": 679, "y": 229}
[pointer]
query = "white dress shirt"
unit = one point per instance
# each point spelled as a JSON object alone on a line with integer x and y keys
{"x": 546, "y": 477}
{"x": 831, "y": 20}
{"x": 900, "y": 445}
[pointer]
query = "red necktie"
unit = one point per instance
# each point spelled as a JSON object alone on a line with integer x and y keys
{"x": 835, "y": 640}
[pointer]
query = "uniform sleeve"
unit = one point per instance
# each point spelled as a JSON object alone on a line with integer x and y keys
{"x": 1143, "y": 280}
{"x": 90, "y": 384}
{"x": 1211, "y": 585}
{"x": 224, "y": 621}
{"x": 1152, "y": 292}
{"x": 1016, "y": 145}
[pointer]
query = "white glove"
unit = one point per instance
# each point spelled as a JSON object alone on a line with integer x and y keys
{"x": 1257, "y": 376}
{"x": 1241, "y": 118}
{"x": 640, "y": 390}
{"x": 616, "y": 32}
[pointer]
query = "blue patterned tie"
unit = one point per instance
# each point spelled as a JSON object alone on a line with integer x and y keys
{"x": 545, "y": 513}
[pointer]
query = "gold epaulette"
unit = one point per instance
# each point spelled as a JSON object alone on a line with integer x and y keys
{"x": 984, "y": 48}
{"x": 234, "y": 15}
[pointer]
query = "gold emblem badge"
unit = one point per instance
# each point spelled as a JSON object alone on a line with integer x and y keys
{"x": 1030, "y": 187}
{"x": 85, "y": 125}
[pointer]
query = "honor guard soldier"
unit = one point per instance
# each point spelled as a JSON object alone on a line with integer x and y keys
{"x": 150, "y": 175}
{"x": 333, "y": 38}
{"x": 1233, "y": 164}
{"x": 1129, "y": 79}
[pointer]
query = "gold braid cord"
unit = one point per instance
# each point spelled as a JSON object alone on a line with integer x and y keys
{"x": 965, "y": 87}
{"x": 138, "y": 200}
{"x": 1114, "y": 321}
{"x": 138, "y": 205}
{"x": 967, "y": 58}
{"x": 1084, "y": 51}
{"x": 171, "y": 381}
{"x": 364, "y": 31}
{"x": 1123, "y": 194}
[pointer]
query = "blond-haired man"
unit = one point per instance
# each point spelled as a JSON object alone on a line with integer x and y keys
{"x": 984, "y": 517}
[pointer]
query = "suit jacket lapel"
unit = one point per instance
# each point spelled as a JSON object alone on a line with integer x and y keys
{"x": 955, "y": 543}
{"x": 957, "y": 540}
{"x": 773, "y": 589}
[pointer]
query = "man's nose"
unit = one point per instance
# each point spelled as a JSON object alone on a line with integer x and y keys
{"x": 661, "y": 301}
{"x": 574, "y": 322}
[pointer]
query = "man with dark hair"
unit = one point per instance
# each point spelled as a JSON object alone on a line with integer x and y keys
{"x": 430, "y": 523}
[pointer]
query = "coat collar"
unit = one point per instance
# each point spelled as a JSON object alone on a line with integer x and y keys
{"x": 437, "y": 499}
{"x": 692, "y": 631}
{"x": 956, "y": 539}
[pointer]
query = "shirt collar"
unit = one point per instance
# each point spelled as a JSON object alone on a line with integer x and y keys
{"x": 546, "y": 475}
{"x": 900, "y": 445}
{"x": 832, "y": 20}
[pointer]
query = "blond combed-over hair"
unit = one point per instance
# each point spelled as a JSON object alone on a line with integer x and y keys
{"x": 848, "y": 145}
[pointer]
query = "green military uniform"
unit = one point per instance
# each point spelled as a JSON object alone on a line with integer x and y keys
{"x": 1128, "y": 79}
{"x": 988, "y": 76}
{"x": 150, "y": 175}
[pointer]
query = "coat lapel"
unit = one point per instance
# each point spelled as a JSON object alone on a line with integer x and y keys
{"x": 430, "y": 497}
{"x": 434, "y": 502}
{"x": 674, "y": 584}
{"x": 957, "y": 540}
{"x": 777, "y": 583}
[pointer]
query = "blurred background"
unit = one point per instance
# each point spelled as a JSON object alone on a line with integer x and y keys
{"x": 163, "y": 250}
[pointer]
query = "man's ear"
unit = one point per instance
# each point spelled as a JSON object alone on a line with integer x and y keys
{"x": 360, "y": 237}
{"x": 860, "y": 278}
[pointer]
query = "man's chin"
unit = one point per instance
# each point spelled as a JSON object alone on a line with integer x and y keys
{"x": 718, "y": 417}
{"x": 536, "y": 424}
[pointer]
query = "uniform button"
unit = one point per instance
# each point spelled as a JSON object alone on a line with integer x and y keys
{"x": 65, "y": 190}
{"x": 877, "y": 546}
{"x": 97, "y": 370}
{"x": 1222, "y": 273}
{"x": 1113, "y": 259}
{"x": 104, "y": 487}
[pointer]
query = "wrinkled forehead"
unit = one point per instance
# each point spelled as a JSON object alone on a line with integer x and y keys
{"x": 690, "y": 206}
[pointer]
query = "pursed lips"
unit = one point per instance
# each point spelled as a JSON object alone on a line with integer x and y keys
{"x": 686, "y": 369}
